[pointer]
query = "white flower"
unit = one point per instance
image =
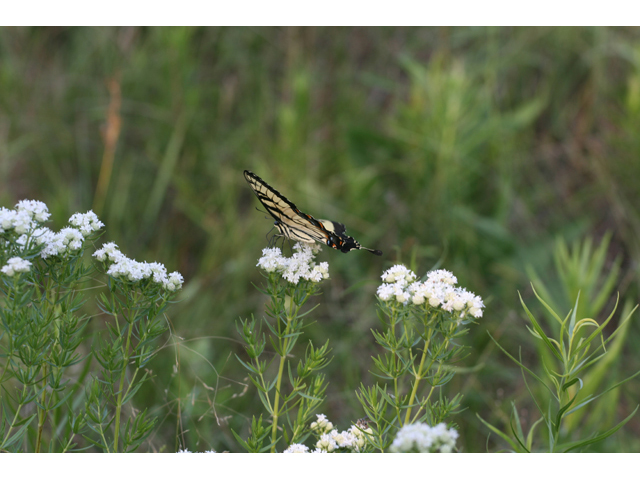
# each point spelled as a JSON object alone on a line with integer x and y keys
{"x": 35, "y": 210}
{"x": 442, "y": 276}
{"x": 476, "y": 306}
{"x": 108, "y": 251}
{"x": 434, "y": 301}
{"x": 297, "y": 448}
{"x": 343, "y": 439}
{"x": 322, "y": 424}
{"x": 323, "y": 269}
{"x": 458, "y": 304}
{"x": 385, "y": 292}
{"x": 71, "y": 238}
{"x": 6, "y": 219}
{"x": 159, "y": 273}
{"x": 398, "y": 273}
{"x": 420, "y": 437}
{"x": 42, "y": 236}
{"x": 129, "y": 269}
{"x": 327, "y": 443}
{"x": 186, "y": 450}
{"x": 16, "y": 265}
{"x": 86, "y": 222}
{"x": 399, "y": 292}
{"x": 359, "y": 434}
{"x": 66, "y": 240}
{"x": 420, "y": 292}
{"x": 25, "y": 218}
{"x": 299, "y": 266}
{"x": 22, "y": 222}
{"x": 174, "y": 282}
{"x": 271, "y": 260}
{"x": 438, "y": 291}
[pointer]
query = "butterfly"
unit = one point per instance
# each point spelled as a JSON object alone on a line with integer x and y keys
{"x": 298, "y": 226}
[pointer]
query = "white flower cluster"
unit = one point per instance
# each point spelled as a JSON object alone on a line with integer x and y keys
{"x": 26, "y": 221}
{"x": 439, "y": 291}
{"x": 24, "y": 217}
{"x": 299, "y": 265}
{"x": 300, "y": 448}
{"x": 86, "y": 222}
{"x": 16, "y": 265}
{"x": 322, "y": 425}
{"x": 398, "y": 274}
{"x": 66, "y": 240}
{"x": 331, "y": 440}
{"x": 129, "y": 269}
{"x": 186, "y": 450}
{"x": 421, "y": 438}
{"x": 297, "y": 448}
{"x": 353, "y": 439}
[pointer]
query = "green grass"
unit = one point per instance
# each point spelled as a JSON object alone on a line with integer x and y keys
{"x": 471, "y": 148}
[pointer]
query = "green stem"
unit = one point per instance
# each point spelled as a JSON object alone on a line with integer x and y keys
{"x": 395, "y": 392}
{"x": 285, "y": 345}
{"x": 276, "y": 401}
{"x": 414, "y": 391}
{"x": 392, "y": 328}
{"x": 426, "y": 400}
{"x": 104, "y": 440}
{"x": 66, "y": 448}
{"x": 120, "y": 390}
{"x": 15, "y": 417}
{"x": 42, "y": 411}
{"x": 432, "y": 389}
{"x": 276, "y": 406}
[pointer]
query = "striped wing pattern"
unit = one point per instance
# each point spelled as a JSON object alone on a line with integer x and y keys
{"x": 290, "y": 221}
{"x": 298, "y": 226}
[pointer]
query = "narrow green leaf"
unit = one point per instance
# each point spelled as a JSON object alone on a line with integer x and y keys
{"x": 602, "y": 436}
{"x": 515, "y": 446}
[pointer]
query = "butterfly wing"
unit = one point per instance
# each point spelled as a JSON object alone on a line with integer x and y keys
{"x": 299, "y": 226}
{"x": 289, "y": 220}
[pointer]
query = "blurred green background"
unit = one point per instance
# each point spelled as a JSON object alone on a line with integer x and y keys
{"x": 474, "y": 149}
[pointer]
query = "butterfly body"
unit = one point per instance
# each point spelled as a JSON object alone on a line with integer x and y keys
{"x": 299, "y": 226}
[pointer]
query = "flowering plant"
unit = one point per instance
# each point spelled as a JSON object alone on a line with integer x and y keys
{"x": 291, "y": 281}
{"x": 329, "y": 440}
{"x": 422, "y": 321}
{"x": 413, "y": 438}
{"x": 421, "y": 438}
{"x": 45, "y": 374}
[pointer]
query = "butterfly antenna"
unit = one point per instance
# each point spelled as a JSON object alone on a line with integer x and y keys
{"x": 262, "y": 211}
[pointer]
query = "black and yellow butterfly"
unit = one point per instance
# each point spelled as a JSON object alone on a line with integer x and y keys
{"x": 298, "y": 226}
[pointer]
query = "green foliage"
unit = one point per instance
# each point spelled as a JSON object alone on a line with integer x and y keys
{"x": 131, "y": 343}
{"x": 289, "y": 407}
{"x": 576, "y": 350}
{"x": 581, "y": 269}
{"x": 47, "y": 364}
{"x": 477, "y": 147}
{"x": 421, "y": 343}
